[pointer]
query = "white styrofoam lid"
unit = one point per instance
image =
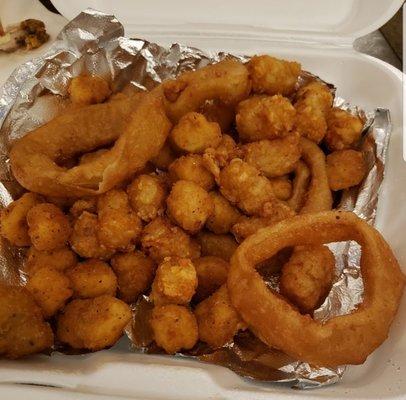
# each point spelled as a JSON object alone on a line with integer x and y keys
{"x": 318, "y": 20}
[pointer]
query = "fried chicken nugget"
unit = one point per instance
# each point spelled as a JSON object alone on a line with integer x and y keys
{"x": 217, "y": 111}
{"x": 86, "y": 204}
{"x": 175, "y": 281}
{"x": 174, "y": 327}
{"x": 189, "y": 205}
{"x": 264, "y": 117}
{"x": 13, "y": 219}
{"x": 22, "y": 326}
{"x": 345, "y": 168}
{"x": 273, "y": 76}
{"x": 92, "y": 278}
{"x": 308, "y": 276}
{"x": 161, "y": 239}
{"x": 217, "y": 319}
{"x": 224, "y": 215}
{"x": 49, "y": 228}
{"x": 222, "y": 246}
{"x": 165, "y": 157}
{"x": 146, "y": 194}
{"x": 194, "y": 134}
{"x": 51, "y": 289}
{"x": 88, "y": 89}
{"x": 282, "y": 187}
{"x": 343, "y": 130}
{"x": 313, "y": 104}
{"x": 135, "y": 273}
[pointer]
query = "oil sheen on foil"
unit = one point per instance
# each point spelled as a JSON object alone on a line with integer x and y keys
{"x": 94, "y": 43}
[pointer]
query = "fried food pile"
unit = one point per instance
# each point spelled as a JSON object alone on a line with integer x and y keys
{"x": 187, "y": 194}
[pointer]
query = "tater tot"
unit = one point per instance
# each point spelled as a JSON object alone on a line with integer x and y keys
{"x": 211, "y": 274}
{"x": 308, "y": 276}
{"x": 88, "y": 204}
{"x": 22, "y": 326}
{"x": 50, "y": 289}
{"x": 264, "y": 117}
{"x": 282, "y": 187}
{"x": 223, "y": 114}
{"x": 189, "y": 205}
{"x": 93, "y": 324}
{"x": 161, "y": 239}
{"x": 274, "y": 157}
{"x": 88, "y": 89}
{"x": 48, "y": 227}
{"x": 135, "y": 272}
{"x": 174, "y": 327}
{"x": 224, "y": 215}
{"x": 222, "y": 246}
{"x": 273, "y": 76}
{"x": 343, "y": 130}
{"x": 13, "y": 219}
{"x": 92, "y": 278}
{"x": 313, "y": 104}
{"x": 146, "y": 194}
{"x": 164, "y": 158}
{"x": 345, "y": 168}
{"x": 217, "y": 319}
{"x": 194, "y": 134}
{"x": 191, "y": 168}
{"x": 175, "y": 281}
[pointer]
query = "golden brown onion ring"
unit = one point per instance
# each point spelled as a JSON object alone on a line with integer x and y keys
{"x": 299, "y": 187}
{"x": 347, "y": 339}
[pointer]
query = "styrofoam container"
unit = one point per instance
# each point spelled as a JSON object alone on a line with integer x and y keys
{"x": 319, "y": 34}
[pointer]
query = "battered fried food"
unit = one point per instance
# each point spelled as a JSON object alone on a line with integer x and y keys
{"x": 264, "y": 117}
{"x": 276, "y": 157}
{"x": 135, "y": 273}
{"x": 88, "y": 89}
{"x": 165, "y": 157}
{"x": 161, "y": 239}
{"x": 343, "y": 130}
{"x": 50, "y": 289}
{"x": 345, "y": 168}
{"x": 216, "y": 111}
{"x": 307, "y": 277}
{"x": 273, "y": 76}
{"x": 194, "y": 134}
{"x": 346, "y": 339}
{"x": 13, "y": 219}
{"x": 189, "y": 205}
{"x": 88, "y": 204}
{"x": 222, "y": 246}
{"x": 282, "y": 187}
{"x": 217, "y": 319}
{"x": 48, "y": 227}
{"x": 300, "y": 186}
{"x": 175, "y": 281}
{"x": 174, "y": 327}
{"x": 22, "y": 326}
{"x": 147, "y": 194}
{"x": 224, "y": 215}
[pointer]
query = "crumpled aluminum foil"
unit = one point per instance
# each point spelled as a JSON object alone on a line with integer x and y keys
{"x": 94, "y": 43}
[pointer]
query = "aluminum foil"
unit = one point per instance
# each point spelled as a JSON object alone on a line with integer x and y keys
{"x": 94, "y": 43}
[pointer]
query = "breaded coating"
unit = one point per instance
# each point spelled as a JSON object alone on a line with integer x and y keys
{"x": 58, "y": 259}
{"x": 282, "y": 187}
{"x": 88, "y": 89}
{"x": 92, "y": 278}
{"x": 13, "y": 219}
{"x": 189, "y": 205}
{"x": 191, "y": 168}
{"x": 308, "y": 276}
{"x": 271, "y": 75}
{"x": 217, "y": 111}
{"x": 49, "y": 228}
{"x": 161, "y": 239}
{"x": 51, "y": 289}
{"x": 264, "y": 117}
{"x": 135, "y": 272}
{"x": 164, "y": 158}
{"x": 217, "y": 319}
{"x": 275, "y": 157}
{"x": 119, "y": 225}
{"x": 243, "y": 185}
{"x": 93, "y": 324}
{"x": 211, "y": 274}
{"x": 345, "y": 168}
{"x": 194, "y": 134}
{"x": 343, "y": 130}
{"x": 222, "y": 246}
{"x": 146, "y": 194}
{"x": 86, "y": 204}
{"x": 299, "y": 187}
{"x": 313, "y": 104}
{"x": 224, "y": 215}
{"x": 175, "y": 281}
{"x": 174, "y": 327}
{"x": 23, "y": 330}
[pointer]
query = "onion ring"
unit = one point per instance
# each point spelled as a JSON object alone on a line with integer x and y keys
{"x": 300, "y": 185}
{"x": 347, "y": 339}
